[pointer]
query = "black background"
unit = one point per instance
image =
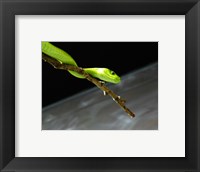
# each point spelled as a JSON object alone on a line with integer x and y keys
{"x": 121, "y": 57}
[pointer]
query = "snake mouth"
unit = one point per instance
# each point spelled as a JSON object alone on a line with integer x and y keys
{"x": 118, "y": 80}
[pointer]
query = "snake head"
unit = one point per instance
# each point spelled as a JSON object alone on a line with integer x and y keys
{"x": 110, "y": 76}
{"x": 103, "y": 74}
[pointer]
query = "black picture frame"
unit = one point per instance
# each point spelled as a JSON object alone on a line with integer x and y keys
{"x": 10, "y": 8}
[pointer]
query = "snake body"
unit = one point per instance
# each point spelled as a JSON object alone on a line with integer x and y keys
{"x": 103, "y": 74}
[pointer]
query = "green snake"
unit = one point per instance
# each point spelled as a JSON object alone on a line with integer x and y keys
{"x": 103, "y": 74}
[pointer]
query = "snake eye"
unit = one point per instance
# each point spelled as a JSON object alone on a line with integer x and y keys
{"x": 112, "y": 72}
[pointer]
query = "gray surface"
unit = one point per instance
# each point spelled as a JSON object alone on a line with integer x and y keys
{"x": 91, "y": 110}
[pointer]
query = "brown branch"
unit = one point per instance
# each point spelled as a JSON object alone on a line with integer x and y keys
{"x": 56, "y": 64}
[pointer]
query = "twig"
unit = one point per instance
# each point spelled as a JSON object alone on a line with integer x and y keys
{"x": 56, "y": 64}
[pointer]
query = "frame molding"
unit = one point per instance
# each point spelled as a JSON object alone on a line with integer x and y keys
{"x": 10, "y": 8}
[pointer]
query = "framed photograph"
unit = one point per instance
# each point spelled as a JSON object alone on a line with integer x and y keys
{"x": 99, "y": 85}
{"x": 135, "y": 81}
